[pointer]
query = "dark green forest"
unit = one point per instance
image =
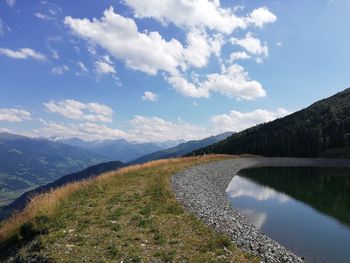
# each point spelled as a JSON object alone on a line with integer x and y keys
{"x": 321, "y": 130}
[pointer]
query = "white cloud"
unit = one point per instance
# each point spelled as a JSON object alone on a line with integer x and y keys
{"x": 11, "y": 2}
{"x": 251, "y": 44}
{"x": 261, "y": 16}
{"x": 232, "y": 81}
{"x": 87, "y": 131}
{"x": 157, "y": 129}
{"x": 149, "y": 52}
{"x": 189, "y": 14}
{"x": 142, "y": 129}
{"x": 59, "y": 70}
{"x": 22, "y": 53}
{"x": 14, "y": 115}
{"x": 238, "y": 121}
{"x": 200, "y": 46}
{"x": 76, "y": 110}
{"x": 103, "y": 67}
{"x": 234, "y": 56}
{"x": 150, "y": 96}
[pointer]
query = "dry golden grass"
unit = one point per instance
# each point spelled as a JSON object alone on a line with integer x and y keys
{"x": 46, "y": 203}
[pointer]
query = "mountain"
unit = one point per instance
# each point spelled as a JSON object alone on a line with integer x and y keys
{"x": 182, "y": 149}
{"x": 26, "y": 163}
{"x": 92, "y": 171}
{"x": 321, "y": 130}
{"x": 116, "y": 149}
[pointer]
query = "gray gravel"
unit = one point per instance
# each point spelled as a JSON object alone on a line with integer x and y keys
{"x": 202, "y": 191}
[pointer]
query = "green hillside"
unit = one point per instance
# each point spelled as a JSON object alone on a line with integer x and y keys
{"x": 321, "y": 130}
{"x": 26, "y": 163}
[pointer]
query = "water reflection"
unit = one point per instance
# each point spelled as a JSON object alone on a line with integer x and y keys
{"x": 305, "y": 209}
{"x": 244, "y": 188}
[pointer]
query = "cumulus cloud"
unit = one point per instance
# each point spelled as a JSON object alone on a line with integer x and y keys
{"x": 200, "y": 46}
{"x": 261, "y": 16}
{"x": 14, "y": 115}
{"x": 59, "y": 70}
{"x": 76, "y": 110}
{"x": 234, "y": 56}
{"x": 23, "y": 53}
{"x": 232, "y": 81}
{"x": 147, "y": 52}
{"x": 252, "y": 44}
{"x": 190, "y": 14}
{"x": 238, "y": 121}
{"x": 150, "y": 96}
{"x": 150, "y": 53}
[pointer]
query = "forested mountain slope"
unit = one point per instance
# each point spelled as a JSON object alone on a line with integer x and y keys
{"x": 322, "y": 129}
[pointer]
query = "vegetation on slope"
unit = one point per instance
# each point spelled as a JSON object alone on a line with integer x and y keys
{"x": 26, "y": 163}
{"x": 323, "y": 129}
{"x": 130, "y": 215}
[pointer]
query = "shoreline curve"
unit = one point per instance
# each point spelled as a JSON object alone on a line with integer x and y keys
{"x": 202, "y": 191}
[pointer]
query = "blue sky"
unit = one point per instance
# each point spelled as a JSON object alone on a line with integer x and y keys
{"x": 166, "y": 70}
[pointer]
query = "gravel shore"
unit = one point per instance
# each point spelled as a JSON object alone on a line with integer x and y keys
{"x": 202, "y": 191}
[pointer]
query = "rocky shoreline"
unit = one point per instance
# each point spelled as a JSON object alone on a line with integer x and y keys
{"x": 202, "y": 191}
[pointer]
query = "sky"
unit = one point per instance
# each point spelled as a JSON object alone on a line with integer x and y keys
{"x": 152, "y": 71}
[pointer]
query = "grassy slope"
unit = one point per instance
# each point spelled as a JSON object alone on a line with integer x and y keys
{"x": 130, "y": 216}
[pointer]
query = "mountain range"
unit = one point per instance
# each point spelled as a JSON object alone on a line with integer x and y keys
{"x": 120, "y": 149}
{"x": 26, "y": 163}
{"x": 320, "y": 130}
{"x": 182, "y": 149}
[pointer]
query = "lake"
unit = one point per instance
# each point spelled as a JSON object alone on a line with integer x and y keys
{"x": 305, "y": 209}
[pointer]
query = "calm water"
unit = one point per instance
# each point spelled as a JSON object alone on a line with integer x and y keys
{"x": 305, "y": 209}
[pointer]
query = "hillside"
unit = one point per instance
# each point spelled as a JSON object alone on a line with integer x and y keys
{"x": 126, "y": 216}
{"x": 26, "y": 163}
{"x": 92, "y": 171}
{"x": 116, "y": 149}
{"x": 322, "y": 129}
{"x": 182, "y": 149}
